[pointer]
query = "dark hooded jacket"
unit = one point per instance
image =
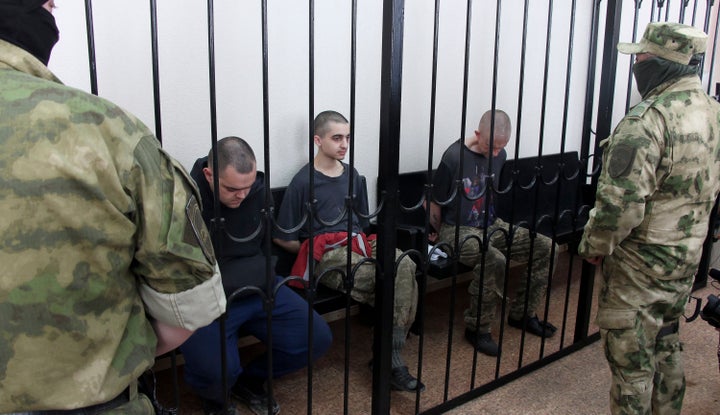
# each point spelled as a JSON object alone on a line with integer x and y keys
{"x": 241, "y": 263}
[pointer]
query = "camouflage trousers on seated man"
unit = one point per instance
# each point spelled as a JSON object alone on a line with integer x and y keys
{"x": 492, "y": 277}
{"x": 363, "y": 291}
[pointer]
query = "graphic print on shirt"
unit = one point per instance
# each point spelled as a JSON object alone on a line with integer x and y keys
{"x": 474, "y": 186}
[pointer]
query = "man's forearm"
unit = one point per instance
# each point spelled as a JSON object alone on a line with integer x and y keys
{"x": 169, "y": 337}
{"x": 435, "y": 216}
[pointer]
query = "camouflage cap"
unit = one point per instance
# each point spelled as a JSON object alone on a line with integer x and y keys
{"x": 672, "y": 41}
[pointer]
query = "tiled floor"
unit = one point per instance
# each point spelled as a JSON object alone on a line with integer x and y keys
{"x": 572, "y": 385}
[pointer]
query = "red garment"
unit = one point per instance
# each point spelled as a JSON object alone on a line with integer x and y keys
{"x": 323, "y": 243}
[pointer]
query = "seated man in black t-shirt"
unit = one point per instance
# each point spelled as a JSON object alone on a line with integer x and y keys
{"x": 480, "y": 164}
{"x": 243, "y": 264}
{"x": 329, "y": 230}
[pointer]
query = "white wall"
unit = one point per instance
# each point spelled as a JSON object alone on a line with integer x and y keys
{"x": 122, "y": 34}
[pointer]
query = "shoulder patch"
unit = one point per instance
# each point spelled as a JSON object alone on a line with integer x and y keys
{"x": 621, "y": 159}
{"x": 199, "y": 231}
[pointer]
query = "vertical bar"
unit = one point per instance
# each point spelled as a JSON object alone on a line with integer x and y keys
{"x": 91, "y": 47}
{"x": 563, "y": 140}
{"x": 604, "y": 121}
{"x": 268, "y": 218}
{"x": 590, "y": 84}
{"x": 219, "y": 223}
{"x": 630, "y": 66}
{"x": 389, "y": 152}
{"x": 489, "y": 184}
{"x": 155, "y": 69}
{"x": 349, "y": 205}
{"x": 713, "y": 54}
{"x": 652, "y": 10}
{"x": 463, "y": 125}
{"x": 683, "y": 9}
{"x": 539, "y": 183}
{"x": 422, "y": 283}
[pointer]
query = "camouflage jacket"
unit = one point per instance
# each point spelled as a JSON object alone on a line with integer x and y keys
{"x": 99, "y": 227}
{"x": 659, "y": 181}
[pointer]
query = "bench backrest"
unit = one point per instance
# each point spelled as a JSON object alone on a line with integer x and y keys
{"x": 519, "y": 199}
{"x": 515, "y": 202}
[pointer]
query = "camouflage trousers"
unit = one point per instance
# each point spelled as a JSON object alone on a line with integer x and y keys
{"x": 492, "y": 276}
{"x": 634, "y": 314}
{"x": 363, "y": 288}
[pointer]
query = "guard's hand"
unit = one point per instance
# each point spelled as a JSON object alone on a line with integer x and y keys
{"x": 433, "y": 237}
{"x": 596, "y": 260}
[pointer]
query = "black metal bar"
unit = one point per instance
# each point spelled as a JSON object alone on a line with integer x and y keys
{"x": 538, "y": 183}
{"x": 590, "y": 84}
{"x": 219, "y": 223}
{"x": 460, "y": 193}
{"x": 683, "y": 9}
{"x": 708, "y": 11}
{"x": 604, "y": 121}
{"x": 268, "y": 218}
{"x": 349, "y": 205}
{"x": 155, "y": 69}
{"x": 713, "y": 56}
{"x": 694, "y": 14}
{"x": 91, "y": 47}
{"x": 630, "y": 66}
{"x": 489, "y": 186}
{"x": 429, "y": 197}
{"x": 558, "y": 196}
{"x": 652, "y": 10}
{"x": 389, "y": 152}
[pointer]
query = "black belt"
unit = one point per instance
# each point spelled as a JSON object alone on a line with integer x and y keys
{"x": 123, "y": 398}
{"x": 668, "y": 329}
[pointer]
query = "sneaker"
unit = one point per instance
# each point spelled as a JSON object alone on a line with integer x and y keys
{"x": 482, "y": 342}
{"x": 214, "y": 408}
{"x": 533, "y": 325}
{"x": 256, "y": 399}
{"x": 402, "y": 380}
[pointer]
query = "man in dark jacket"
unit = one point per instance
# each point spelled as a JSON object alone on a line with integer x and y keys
{"x": 243, "y": 265}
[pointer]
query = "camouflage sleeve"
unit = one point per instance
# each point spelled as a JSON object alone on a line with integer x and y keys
{"x": 181, "y": 284}
{"x": 630, "y": 160}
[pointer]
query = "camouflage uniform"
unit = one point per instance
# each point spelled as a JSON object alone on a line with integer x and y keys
{"x": 99, "y": 227}
{"x": 406, "y": 289}
{"x": 657, "y": 188}
{"x": 493, "y": 279}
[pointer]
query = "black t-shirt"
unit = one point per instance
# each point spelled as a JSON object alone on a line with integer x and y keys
{"x": 331, "y": 214}
{"x": 474, "y": 175}
{"x": 241, "y": 257}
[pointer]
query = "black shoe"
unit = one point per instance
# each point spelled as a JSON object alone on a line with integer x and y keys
{"x": 534, "y": 325}
{"x": 482, "y": 342}
{"x": 402, "y": 380}
{"x": 214, "y": 408}
{"x": 255, "y": 398}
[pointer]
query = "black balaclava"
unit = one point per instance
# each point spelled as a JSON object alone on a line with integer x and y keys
{"x": 27, "y": 24}
{"x": 654, "y": 71}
